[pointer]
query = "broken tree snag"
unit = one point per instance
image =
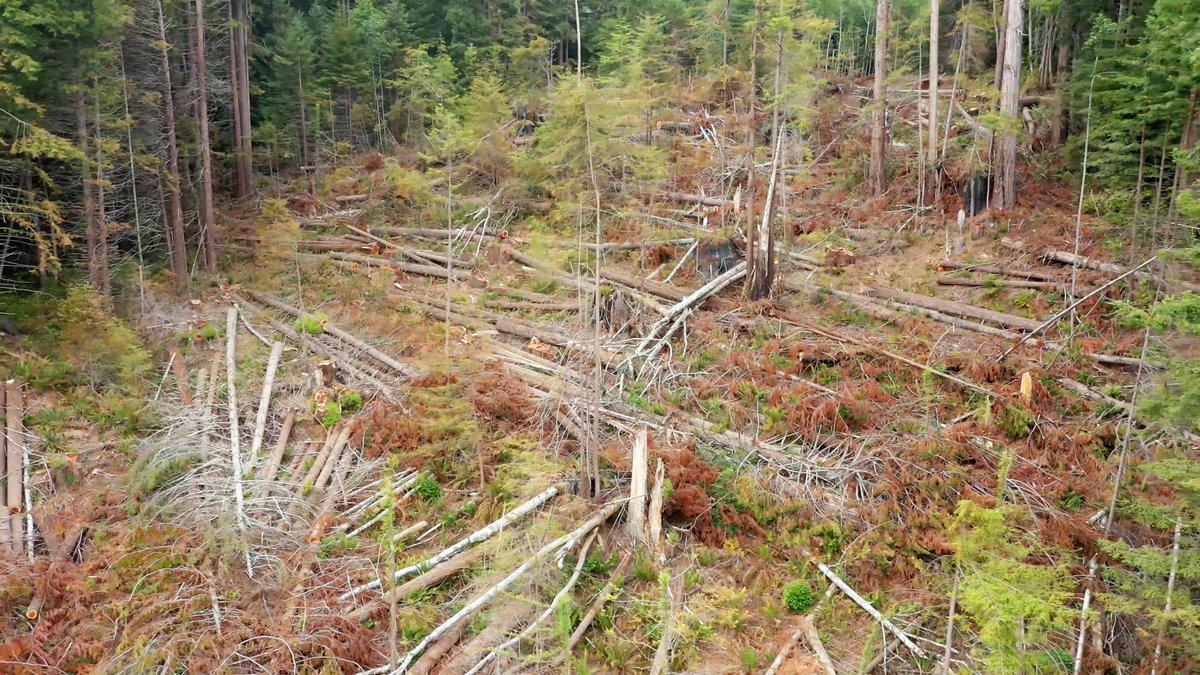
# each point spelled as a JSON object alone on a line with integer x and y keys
{"x": 956, "y": 308}
{"x": 475, "y": 605}
{"x": 654, "y": 512}
{"x": 869, "y": 609}
{"x": 662, "y": 656}
{"x": 635, "y": 519}
{"x": 264, "y": 402}
{"x": 462, "y": 544}
{"x": 559, "y": 597}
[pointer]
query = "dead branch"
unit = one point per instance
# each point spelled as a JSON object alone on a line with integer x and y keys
{"x": 1005, "y": 283}
{"x": 992, "y": 269}
{"x": 452, "y": 567}
{"x": 869, "y": 609}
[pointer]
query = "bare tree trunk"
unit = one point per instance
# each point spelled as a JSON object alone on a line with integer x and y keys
{"x": 932, "y": 185}
{"x": 999, "y": 24}
{"x": 239, "y": 77}
{"x": 751, "y": 144}
{"x": 89, "y": 205}
{"x": 174, "y": 205}
{"x": 1005, "y": 182}
{"x": 761, "y": 274}
{"x": 1060, "y": 88}
{"x": 875, "y": 174}
{"x": 303, "y": 120}
{"x": 101, "y": 215}
{"x": 200, "y": 72}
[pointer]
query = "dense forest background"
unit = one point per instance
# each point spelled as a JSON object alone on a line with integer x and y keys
{"x": 123, "y": 119}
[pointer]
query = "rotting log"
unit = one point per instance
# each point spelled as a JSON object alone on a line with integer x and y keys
{"x": 698, "y": 199}
{"x": 1054, "y": 255}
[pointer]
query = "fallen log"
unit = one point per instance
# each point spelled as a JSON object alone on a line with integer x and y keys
{"x": 698, "y": 199}
{"x": 420, "y": 257}
{"x": 475, "y": 605}
{"x": 634, "y": 245}
{"x": 533, "y": 306}
{"x": 870, "y": 609}
{"x": 559, "y": 597}
{"x": 596, "y": 607}
{"x": 814, "y": 643}
{"x": 454, "y": 549}
{"x": 662, "y": 329}
{"x": 264, "y": 402}
{"x": 371, "y": 261}
{"x": 992, "y": 269}
{"x": 954, "y": 308}
{"x": 432, "y": 234}
{"x": 400, "y": 369}
{"x": 451, "y": 568}
{"x": 666, "y": 645}
{"x": 350, "y": 199}
{"x": 1004, "y": 283}
{"x": 273, "y": 462}
{"x": 235, "y": 451}
{"x": 327, "y": 245}
{"x": 1054, "y": 255}
{"x": 580, "y": 282}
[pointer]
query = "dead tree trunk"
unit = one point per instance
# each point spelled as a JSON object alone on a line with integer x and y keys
{"x": 174, "y": 204}
{"x": 875, "y": 174}
{"x": 1006, "y": 162}
{"x": 932, "y": 186}
{"x": 200, "y": 72}
{"x": 752, "y": 142}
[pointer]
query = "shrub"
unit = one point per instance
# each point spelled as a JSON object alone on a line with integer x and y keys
{"x": 798, "y": 597}
{"x": 103, "y": 350}
{"x": 351, "y": 402}
{"x": 428, "y": 489}
{"x": 333, "y": 414}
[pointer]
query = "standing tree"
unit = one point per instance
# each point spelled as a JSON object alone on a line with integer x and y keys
{"x": 200, "y": 72}
{"x": 176, "y": 239}
{"x": 876, "y": 176}
{"x": 932, "y": 184}
{"x": 1005, "y": 182}
{"x": 239, "y": 79}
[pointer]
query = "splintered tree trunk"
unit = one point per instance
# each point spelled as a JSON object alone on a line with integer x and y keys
{"x": 1006, "y": 161}
{"x": 761, "y": 273}
{"x": 932, "y": 186}
{"x": 875, "y": 174}
{"x": 200, "y": 72}
{"x": 174, "y": 204}
{"x": 89, "y": 206}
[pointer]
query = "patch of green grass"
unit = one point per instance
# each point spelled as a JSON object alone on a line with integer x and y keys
{"x": 312, "y": 324}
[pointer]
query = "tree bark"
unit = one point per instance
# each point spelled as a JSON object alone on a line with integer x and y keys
{"x": 932, "y": 184}
{"x": 89, "y": 208}
{"x": 200, "y": 72}
{"x": 239, "y": 78}
{"x": 1005, "y": 182}
{"x": 875, "y": 174}
{"x": 101, "y": 253}
{"x": 174, "y": 204}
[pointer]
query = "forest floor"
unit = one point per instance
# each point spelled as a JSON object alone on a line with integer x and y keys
{"x": 828, "y": 433}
